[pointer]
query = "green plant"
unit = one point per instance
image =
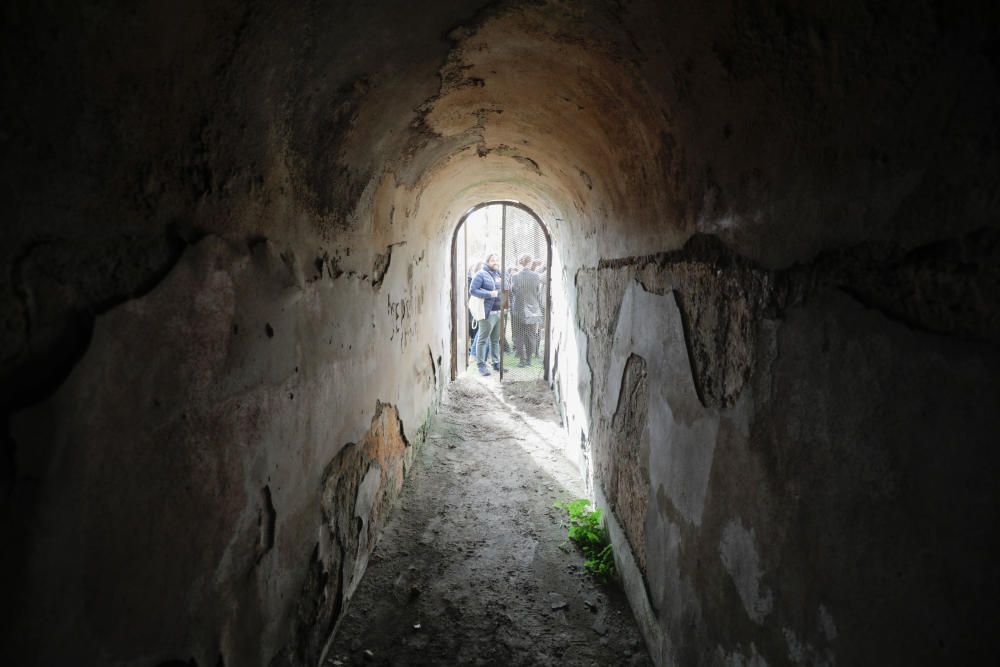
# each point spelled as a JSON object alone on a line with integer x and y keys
{"x": 588, "y": 533}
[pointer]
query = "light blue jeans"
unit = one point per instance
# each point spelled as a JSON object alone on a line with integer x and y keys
{"x": 489, "y": 338}
{"x": 475, "y": 343}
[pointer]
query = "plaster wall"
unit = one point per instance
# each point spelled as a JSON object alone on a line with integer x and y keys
{"x": 809, "y": 517}
{"x": 202, "y": 199}
{"x": 271, "y": 371}
{"x": 212, "y": 343}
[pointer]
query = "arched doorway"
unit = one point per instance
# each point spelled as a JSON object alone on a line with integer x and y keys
{"x": 517, "y": 235}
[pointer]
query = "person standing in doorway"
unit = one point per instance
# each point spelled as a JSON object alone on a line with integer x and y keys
{"x": 487, "y": 285}
{"x": 526, "y": 290}
{"x": 473, "y": 323}
{"x": 539, "y": 267}
{"x": 507, "y": 312}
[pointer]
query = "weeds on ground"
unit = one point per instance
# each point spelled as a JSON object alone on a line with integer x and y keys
{"x": 588, "y": 533}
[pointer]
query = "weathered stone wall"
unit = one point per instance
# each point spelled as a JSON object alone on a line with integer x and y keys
{"x": 622, "y": 462}
{"x": 198, "y": 454}
{"x": 203, "y": 305}
{"x": 359, "y": 488}
{"x": 202, "y": 198}
{"x": 819, "y": 471}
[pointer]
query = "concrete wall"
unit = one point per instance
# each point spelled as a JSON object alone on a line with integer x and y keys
{"x": 219, "y": 351}
{"x": 175, "y": 475}
{"x": 800, "y": 477}
{"x": 225, "y": 309}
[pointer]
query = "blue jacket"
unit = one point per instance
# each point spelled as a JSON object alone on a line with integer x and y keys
{"x": 487, "y": 281}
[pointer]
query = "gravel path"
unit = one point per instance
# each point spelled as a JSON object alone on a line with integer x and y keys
{"x": 473, "y": 567}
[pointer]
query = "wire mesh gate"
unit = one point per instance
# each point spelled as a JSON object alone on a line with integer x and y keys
{"x": 516, "y": 236}
{"x": 525, "y": 264}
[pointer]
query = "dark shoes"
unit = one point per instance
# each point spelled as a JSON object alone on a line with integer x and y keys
{"x": 496, "y": 367}
{"x": 483, "y": 370}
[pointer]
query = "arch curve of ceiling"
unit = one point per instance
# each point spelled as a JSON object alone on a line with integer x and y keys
{"x": 554, "y": 119}
{"x": 632, "y": 127}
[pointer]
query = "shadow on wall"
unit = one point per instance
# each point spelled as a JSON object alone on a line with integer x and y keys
{"x": 801, "y": 475}
{"x": 359, "y": 489}
{"x": 181, "y": 462}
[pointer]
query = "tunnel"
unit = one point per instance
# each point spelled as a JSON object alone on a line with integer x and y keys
{"x": 228, "y": 311}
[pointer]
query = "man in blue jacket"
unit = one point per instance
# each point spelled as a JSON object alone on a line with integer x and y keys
{"x": 486, "y": 285}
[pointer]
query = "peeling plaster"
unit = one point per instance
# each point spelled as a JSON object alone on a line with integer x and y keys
{"x": 804, "y": 653}
{"x": 668, "y": 591}
{"x": 826, "y": 624}
{"x": 367, "y": 492}
{"x": 680, "y": 431}
{"x": 738, "y": 659}
{"x": 780, "y": 151}
{"x": 738, "y": 550}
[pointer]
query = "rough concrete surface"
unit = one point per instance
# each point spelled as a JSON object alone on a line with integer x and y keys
{"x": 360, "y": 487}
{"x": 806, "y": 479}
{"x": 190, "y": 403}
{"x": 225, "y": 252}
{"x": 474, "y": 567}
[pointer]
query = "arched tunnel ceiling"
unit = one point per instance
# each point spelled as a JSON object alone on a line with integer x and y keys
{"x": 532, "y": 108}
{"x": 648, "y": 124}
{"x": 786, "y": 130}
{"x": 201, "y": 202}
{"x": 555, "y": 118}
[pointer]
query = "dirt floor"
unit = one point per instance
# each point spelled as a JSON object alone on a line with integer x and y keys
{"x": 474, "y": 567}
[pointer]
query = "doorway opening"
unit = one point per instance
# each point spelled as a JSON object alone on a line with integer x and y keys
{"x": 513, "y": 233}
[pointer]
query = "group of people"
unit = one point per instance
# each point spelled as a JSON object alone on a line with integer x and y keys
{"x": 523, "y": 293}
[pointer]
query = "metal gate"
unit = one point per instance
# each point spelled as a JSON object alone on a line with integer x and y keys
{"x": 516, "y": 235}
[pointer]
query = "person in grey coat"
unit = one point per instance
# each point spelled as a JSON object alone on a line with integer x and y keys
{"x": 526, "y": 295}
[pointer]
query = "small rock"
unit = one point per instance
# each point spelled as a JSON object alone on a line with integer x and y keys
{"x": 590, "y": 605}
{"x": 600, "y": 627}
{"x": 369, "y": 655}
{"x": 558, "y": 602}
{"x": 416, "y": 626}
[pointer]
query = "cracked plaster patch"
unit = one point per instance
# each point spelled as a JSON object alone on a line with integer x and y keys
{"x": 738, "y": 550}
{"x": 737, "y": 659}
{"x": 681, "y": 432}
{"x": 367, "y": 491}
{"x": 668, "y": 591}
{"x": 826, "y": 624}
{"x": 804, "y": 653}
